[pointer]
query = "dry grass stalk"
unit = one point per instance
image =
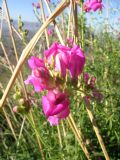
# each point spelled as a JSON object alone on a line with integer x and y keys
{"x": 43, "y": 19}
{"x": 9, "y": 123}
{"x": 96, "y": 129}
{"x": 21, "y": 129}
{"x": 17, "y": 33}
{"x": 28, "y": 49}
{"x": 7, "y": 117}
{"x": 1, "y": 17}
{"x": 37, "y": 135}
{"x": 79, "y": 139}
{"x": 14, "y": 45}
{"x": 75, "y": 20}
{"x": 6, "y": 56}
{"x": 59, "y": 136}
{"x": 55, "y": 24}
{"x": 69, "y": 20}
{"x": 63, "y": 128}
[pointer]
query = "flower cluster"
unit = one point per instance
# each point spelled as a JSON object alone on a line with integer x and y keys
{"x": 50, "y": 32}
{"x": 93, "y": 5}
{"x": 51, "y": 73}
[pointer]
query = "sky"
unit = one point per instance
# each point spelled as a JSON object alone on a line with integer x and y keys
{"x": 21, "y": 7}
{"x": 25, "y": 9}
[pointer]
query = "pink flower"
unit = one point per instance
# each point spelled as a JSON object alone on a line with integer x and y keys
{"x": 55, "y": 106}
{"x": 93, "y": 5}
{"x": 50, "y": 32}
{"x": 15, "y": 109}
{"x": 76, "y": 61}
{"x": 60, "y": 55}
{"x": 38, "y": 5}
{"x": 40, "y": 74}
{"x": 33, "y": 4}
{"x": 66, "y": 58}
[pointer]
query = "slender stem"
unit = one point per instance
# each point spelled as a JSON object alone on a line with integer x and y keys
{"x": 43, "y": 18}
{"x": 69, "y": 21}
{"x": 17, "y": 33}
{"x": 79, "y": 139}
{"x": 93, "y": 121}
{"x": 21, "y": 129}
{"x": 72, "y": 18}
{"x": 14, "y": 44}
{"x": 76, "y": 129}
{"x": 8, "y": 103}
{"x": 55, "y": 24}
{"x": 6, "y": 56}
{"x": 10, "y": 124}
{"x": 1, "y": 25}
{"x": 75, "y": 22}
{"x": 82, "y": 25}
{"x": 59, "y": 136}
{"x": 32, "y": 122}
{"x": 63, "y": 127}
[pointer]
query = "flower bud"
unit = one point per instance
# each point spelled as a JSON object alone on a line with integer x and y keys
{"x": 15, "y": 109}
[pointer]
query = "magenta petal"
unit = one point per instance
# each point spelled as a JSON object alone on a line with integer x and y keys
{"x": 52, "y": 50}
{"x": 64, "y": 113}
{"x": 76, "y": 62}
{"x": 93, "y": 2}
{"x": 76, "y": 65}
{"x": 35, "y": 82}
{"x": 60, "y": 107}
{"x": 97, "y": 6}
{"x": 35, "y": 62}
{"x": 53, "y": 120}
{"x": 47, "y": 108}
{"x": 60, "y": 65}
{"x": 51, "y": 96}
